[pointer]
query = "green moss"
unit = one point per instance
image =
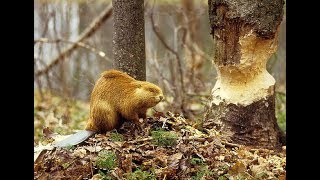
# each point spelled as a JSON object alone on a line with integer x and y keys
{"x": 164, "y": 138}
{"x": 106, "y": 160}
{"x": 242, "y": 176}
{"x": 224, "y": 167}
{"x": 65, "y": 165}
{"x": 204, "y": 171}
{"x": 195, "y": 161}
{"x": 69, "y": 147}
{"x": 141, "y": 175}
{"x": 224, "y": 177}
{"x": 116, "y": 137}
{"x": 105, "y": 176}
{"x": 261, "y": 175}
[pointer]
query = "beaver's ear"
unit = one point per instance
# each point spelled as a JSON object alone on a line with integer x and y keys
{"x": 136, "y": 84}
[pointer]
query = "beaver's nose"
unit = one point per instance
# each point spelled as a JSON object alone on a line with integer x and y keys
{"x": 161, "y": 97}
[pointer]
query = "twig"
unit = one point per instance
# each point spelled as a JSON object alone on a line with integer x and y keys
{"x": 165, "y": 80}
{"x": 140, "y": 140}
{"x": 165, "y": 176}
{"x": 226, "y": 143}
{"x": 269, "y": 151}
{"x": 194, "y": 47}
{"x": 114, "y": 146}
{"x": 115, "y": 175}
{"x": 80, "y": 44}
{"x": 203, "y": 139}
{"x": 91, "y": 29}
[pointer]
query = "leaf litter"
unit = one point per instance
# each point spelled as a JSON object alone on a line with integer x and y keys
{"x": 186, "y": 152}
{"x": 194, "y": 155}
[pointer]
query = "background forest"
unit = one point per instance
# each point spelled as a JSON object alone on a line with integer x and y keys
{"x": 72, "y": 47}
{"x": 182, "y": 25}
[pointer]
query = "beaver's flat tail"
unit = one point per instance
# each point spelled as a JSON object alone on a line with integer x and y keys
{"x": 75, "y": 139}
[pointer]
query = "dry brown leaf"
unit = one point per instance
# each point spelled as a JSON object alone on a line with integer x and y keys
{"x": 168, "y": 162}
{"x": 237, "y": 168}
{"x": 282, "y": 177}
{"x": 47, "y": 132}
{"x": 117, "y": 173}
{"x": 183, "y": 164}
{"x": 173, "y": 160}
{"x": 93, "y": 148}
{"x": 81, "y": 152}
{"x": 148, "y": 164}
{"x": 97, "y": 177}
{"x": 127, "y": 163}
{"x": 162, "y": 160}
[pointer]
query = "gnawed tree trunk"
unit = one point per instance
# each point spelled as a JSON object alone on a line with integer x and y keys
{"x": 128, "y": 37}
{"x": 243, "y": 99}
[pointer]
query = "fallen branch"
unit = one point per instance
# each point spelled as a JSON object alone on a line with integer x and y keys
{"x": 91, "y": 29}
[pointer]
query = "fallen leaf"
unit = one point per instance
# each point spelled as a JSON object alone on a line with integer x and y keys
{"x": 39, "y": 149}
{"x": 282, "y": 177}
{"x": 93, "y": 148}
{"x": 97, "y": 177}
{"x": 47, "y": 132}
{"x": 127, "y": 163}
{"x": 237, "y": 168}
{"x": 183, "y": 164}
{"x": 173, "y": 160}
{"x": 81, "y": 152}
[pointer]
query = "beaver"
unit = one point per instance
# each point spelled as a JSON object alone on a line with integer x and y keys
{"x": 115, "y": 98}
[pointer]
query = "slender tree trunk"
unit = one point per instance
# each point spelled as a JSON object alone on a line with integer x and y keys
{"x": 194, "y": 61}
{"x": 129, "y": 38}
{"x": 245, "y": 34}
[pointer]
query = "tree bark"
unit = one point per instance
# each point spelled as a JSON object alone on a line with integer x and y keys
{"x": 245, "y": 35}
{"x": 129, "y": 37}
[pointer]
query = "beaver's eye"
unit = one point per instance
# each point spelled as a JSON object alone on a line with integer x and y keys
{"x": 151, "y": 90}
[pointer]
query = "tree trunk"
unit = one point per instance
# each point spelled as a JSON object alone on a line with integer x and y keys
{"x": 193, "y": 57}
{"x": 128, "y": 37}
{"x": 245, "y": 34}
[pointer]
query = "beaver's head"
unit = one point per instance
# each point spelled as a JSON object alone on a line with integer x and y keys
{"x": 149, "y": 93}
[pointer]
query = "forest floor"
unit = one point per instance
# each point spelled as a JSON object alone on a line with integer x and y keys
{"x": 169, "y": 147}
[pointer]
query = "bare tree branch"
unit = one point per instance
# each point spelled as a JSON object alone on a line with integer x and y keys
{"x": 46, "y": 74}
{"x": 159, "y": 36}
{"x": 91, "y": 29}
{"x": 165, "y": 80}
{"x": 78, "y": 44}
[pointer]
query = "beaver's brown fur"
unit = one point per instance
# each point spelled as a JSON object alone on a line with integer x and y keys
{"x": 116, "y": 97}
